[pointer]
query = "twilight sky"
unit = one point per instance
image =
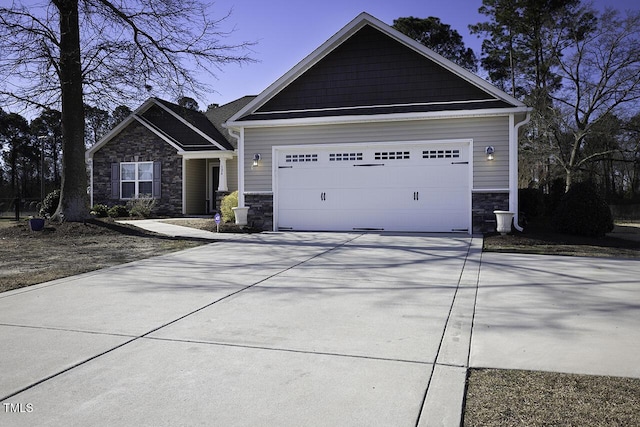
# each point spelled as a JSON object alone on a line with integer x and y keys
{"x": 289, "y": 30}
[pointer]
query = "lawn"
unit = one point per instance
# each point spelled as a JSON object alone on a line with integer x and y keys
{"x": 62, "y": 250}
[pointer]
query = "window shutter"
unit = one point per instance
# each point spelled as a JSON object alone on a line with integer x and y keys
{"x": 157, "y": 179}
{"x": 115, "y": 180}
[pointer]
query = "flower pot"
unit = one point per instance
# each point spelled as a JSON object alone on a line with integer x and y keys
{"x": 241, "y": 215}
{"x": 36, "y": 224}
{"x": 504, "y": 219}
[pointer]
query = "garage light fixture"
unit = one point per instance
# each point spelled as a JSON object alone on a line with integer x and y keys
{"x": 489, "y": 150}
{"x": 256, "y": 159}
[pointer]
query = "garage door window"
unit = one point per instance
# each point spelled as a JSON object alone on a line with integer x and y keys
{"x": 295, "y": 158}
{"x": 340, "y": 157}
{"x": 392, "y": 155}
{"x": 441, "y": 154}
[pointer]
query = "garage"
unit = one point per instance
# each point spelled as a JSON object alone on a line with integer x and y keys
{"x": 409, "y": 187}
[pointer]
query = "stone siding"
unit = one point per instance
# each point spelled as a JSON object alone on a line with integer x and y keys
{"x": 137, "y": 144}
{"x": 260, "y": 214}
{"x": 483, "y": 204}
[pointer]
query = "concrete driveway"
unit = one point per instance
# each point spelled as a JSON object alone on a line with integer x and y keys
{"x": 556, "y": 313}
{"x": 283, "y": 329}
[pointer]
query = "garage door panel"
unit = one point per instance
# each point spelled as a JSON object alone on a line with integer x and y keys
{"x": 412, "y": 188}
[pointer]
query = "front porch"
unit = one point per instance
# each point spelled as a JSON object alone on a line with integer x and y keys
{"x": 207, "y": 178}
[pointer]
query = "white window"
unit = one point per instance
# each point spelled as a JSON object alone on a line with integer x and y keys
{"x": 136, "y": 180}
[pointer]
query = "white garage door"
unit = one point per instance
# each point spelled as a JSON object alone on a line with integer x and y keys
{"x": 384, "y": 187}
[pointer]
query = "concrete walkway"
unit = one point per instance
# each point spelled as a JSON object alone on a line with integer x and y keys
{"x": 306, "y": 329}
{"x": 162, "y": 227}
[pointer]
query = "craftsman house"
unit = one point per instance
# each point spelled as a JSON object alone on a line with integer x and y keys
{"x": 371, "y": 131}
{"x": 182, "y": 158}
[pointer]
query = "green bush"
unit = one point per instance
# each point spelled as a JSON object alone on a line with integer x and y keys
{"x": 118, "y": 211}
{"x": 50, "y": 204}
{"x": 100, "y": 211}
{"x": 531, "y": 202}
{"x": 141, "y": 207}
{"x": 229, "y": 201}
{"x": 582, "y": 211}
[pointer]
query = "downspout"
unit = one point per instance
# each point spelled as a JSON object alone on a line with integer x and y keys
{"x": 514, "y": 169}
{"x": 90, "y": 164}
{"x": 240, "y": 138}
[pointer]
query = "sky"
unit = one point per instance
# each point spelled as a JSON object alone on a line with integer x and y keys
{"x": 286, "y": 31}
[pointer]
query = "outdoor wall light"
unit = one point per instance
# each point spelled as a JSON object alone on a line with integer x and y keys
{"x": 489, "y": 150}
{"x": 256, "y": 159}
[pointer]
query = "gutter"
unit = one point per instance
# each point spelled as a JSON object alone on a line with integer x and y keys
{"x": 516, "y": 130}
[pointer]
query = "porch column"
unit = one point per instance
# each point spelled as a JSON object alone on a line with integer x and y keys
{"x": 222, "y": 181}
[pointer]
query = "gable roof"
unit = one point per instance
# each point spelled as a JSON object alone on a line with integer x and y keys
{"x": 222, "y": 113}
{"x": 184, "y": 129}
{"x": 369, "y": 68}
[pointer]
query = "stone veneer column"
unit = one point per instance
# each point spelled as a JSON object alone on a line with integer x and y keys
{"x": 482, "y": 206}
{"x": 260, "y": 211}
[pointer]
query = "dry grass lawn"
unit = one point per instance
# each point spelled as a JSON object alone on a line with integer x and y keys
{"x": 497, "y": 398}
{"x": 62, "y": 250}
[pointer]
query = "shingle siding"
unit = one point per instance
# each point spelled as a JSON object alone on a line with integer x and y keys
{"x": 371, "y": 68}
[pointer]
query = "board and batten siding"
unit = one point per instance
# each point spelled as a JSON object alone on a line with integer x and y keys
{"x": 232, "y": 174}
{"x": 196, "y": 181}
{"x": 484, "y": 131}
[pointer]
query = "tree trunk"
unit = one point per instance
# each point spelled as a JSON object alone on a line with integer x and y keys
{"x": 74, "y": 202}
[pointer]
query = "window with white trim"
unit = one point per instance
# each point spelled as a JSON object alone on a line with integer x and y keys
{"x": 136, "y": 180}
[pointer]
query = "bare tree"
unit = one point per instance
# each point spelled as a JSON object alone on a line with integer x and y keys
{"x": 600, "y": 77}
{"x": 68, "y": 52}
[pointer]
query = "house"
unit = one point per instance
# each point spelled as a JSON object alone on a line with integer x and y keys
{"x": 182, "y": 158}
{"x": 373, "y": 131}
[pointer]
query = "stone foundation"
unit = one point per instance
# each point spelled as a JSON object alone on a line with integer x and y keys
{"x": 483, "y": 204}
{"x": 260, "y": 214}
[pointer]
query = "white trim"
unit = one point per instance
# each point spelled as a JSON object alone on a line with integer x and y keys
{"x": 184, "y": 186}
{"x": 490, "y": 190}
{"x": 258, "y": 193}
{"x": 378, "y": 118}
{"x": 191, "y": 155}
{"x": 347, "y": 31}
{"x": 90, "y": 161}
{"x": 240, "y": 139}
{"x": 414, "y": 104}
{"x": 513, "y": 165}
{"x": 371, "y": 144}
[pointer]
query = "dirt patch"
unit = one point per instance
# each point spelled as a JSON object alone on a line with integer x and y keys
{"x": 623, "y": 242}
{"x": 62, "y": 250}
{"x": 523, "y": 398}
{"x": 209, "y": 224}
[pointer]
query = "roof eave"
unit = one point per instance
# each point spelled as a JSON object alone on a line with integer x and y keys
{"x": 393, "y": 117}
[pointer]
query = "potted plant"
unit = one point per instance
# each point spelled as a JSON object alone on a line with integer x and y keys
{"x": 36, "y": 224}
{"x": 504, "y": 220}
